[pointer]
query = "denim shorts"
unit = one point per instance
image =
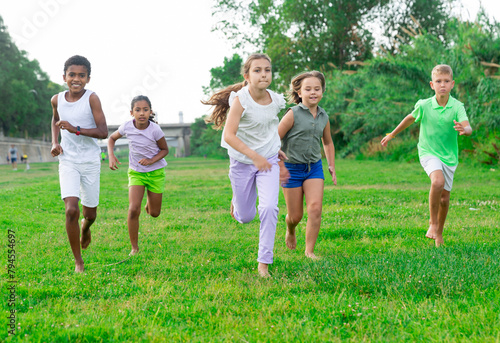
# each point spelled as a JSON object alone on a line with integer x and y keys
{"x": 302, "y": 172}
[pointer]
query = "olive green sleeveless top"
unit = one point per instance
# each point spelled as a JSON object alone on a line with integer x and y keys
{"x": 302, "y": 144}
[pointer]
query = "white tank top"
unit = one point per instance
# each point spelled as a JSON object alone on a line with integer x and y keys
{"x": 77, "y": 149}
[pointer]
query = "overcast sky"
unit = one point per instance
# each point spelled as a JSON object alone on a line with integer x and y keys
{"x": 163, "y": 49}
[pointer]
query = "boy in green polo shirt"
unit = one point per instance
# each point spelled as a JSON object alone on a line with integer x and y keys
{"x": 441, "y": 117}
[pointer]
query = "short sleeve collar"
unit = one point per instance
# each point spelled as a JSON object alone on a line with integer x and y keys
{"x": 321, "y": 111}
{"x": 449, "y": 104}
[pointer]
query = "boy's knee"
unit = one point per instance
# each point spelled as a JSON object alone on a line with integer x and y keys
{"x": 91, "y": 217}
{"x": 72, "y": 212}
{"x": 437, "y": 183}
{"x": 445, "y": 200}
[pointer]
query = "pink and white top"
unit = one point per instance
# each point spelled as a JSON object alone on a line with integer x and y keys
{"x": 142, "y": 144}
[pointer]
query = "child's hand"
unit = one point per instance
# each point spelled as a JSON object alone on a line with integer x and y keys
{"x": 56, "y": 150}
{"x": 145, "y": 162}
{"x": 333, "y": 174}
{"x": 282, "y": 156}
{"x": 261, "y": 163}
{"x": 461, "y": 129}
{"x": 386, "y": 139}
{"x": 284, "y": 174}
{"x": 112, "y": 162}
{"x": 65, "y": 125}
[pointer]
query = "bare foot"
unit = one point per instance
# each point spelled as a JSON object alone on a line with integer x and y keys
{"x": 231, "y": 210}
{"x": 86, "y": 237}
{"x": 134, "y": 251}
{"x": 439, "y": 241}
{"x": 290, "y": 238}
{"x": 431, "y": 232}
{"x": 264, "y": 270}
{"x": 79, "y": 267}
{"x": 312, "y": 256}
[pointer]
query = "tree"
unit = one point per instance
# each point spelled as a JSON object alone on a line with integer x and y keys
{"x": 366, "y": 105}
{"x": 317, "y": 34}
{"x": 25, "y": 92}
{"x": 205, "y": 141}
{"x": 400, "y": 18}
{"x": 225, "y": 75}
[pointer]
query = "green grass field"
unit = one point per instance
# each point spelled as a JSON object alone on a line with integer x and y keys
{"x": 195, "y": 279}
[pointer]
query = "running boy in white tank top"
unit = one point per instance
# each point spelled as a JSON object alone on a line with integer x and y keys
{"x": 78, "y": 117}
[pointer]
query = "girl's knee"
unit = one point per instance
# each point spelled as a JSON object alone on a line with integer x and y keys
{"x": 245, "y": 218}
{"x": 314, "y": 210}
{"x": 134, "y": 211}
{"x": 154, "y": 213}
{"x": 245, "y": 215}
{"x": 294, "y": 218}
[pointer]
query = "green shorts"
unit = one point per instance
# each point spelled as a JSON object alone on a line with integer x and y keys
{"x": 154, "y": 181}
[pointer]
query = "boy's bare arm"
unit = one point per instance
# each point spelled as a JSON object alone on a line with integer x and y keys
{"x": 407, "y": 121}
{"x": 101, "y": 130}
{"x": 56, "y": 148}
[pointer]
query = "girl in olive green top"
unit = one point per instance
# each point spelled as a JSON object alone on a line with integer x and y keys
{"x": 302, "y": 129}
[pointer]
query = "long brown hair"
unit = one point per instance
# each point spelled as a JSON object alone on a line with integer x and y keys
{"x": 220, "y": 99}
{"x": 293, "y": 93}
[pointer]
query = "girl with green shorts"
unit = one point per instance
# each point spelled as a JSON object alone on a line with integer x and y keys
{"x": 148, "y": 147}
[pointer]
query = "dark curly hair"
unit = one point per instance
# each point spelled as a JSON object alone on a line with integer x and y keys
{"x": 77, "y": 60}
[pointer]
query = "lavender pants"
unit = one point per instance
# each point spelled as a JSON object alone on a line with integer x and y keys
{"x": 245, "y": 181}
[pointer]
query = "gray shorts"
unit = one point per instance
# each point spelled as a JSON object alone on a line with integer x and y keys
{"x": 432, "y": 163}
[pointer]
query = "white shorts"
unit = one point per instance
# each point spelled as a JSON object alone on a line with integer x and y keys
{"x": 432, "y": 163}
{"x": 76, "y": 178}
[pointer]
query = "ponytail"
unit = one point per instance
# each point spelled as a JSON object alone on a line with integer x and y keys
{"x": 220, "y": 101}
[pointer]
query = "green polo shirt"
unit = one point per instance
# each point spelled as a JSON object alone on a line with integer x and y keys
{"x": 302, "y": 143}
{"x": 437, "y": 136}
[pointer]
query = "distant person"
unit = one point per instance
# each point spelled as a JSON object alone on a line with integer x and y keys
{"x": 103, "y": 156}
{"x": 147, "y": 149}
{"x": 440, "y": 117}
{"x": 78, "y": 117}
{"x": 13, "y": 156}
{"x": 302, "y": 130}
{"x": 251, "y": 137}
{"x": 25, "y": 159}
